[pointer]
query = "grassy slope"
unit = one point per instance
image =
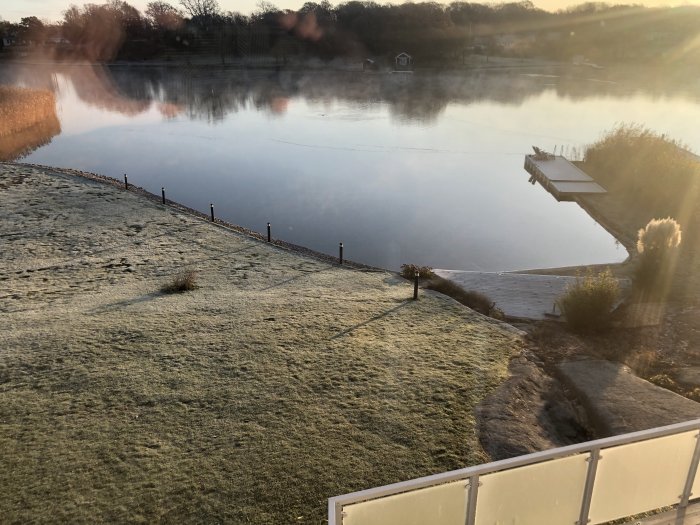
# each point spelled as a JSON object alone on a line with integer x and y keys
{"x": 280, "y": 382}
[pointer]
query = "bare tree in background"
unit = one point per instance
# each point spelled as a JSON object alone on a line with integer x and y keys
{"x": 201, "y": 9}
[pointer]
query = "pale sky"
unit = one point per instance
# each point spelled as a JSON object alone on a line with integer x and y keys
{"x": 14, "y": 10}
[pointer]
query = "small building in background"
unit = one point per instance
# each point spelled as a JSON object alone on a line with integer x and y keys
{"x": 403, "y": 62}
{"x": 57, "y": 41}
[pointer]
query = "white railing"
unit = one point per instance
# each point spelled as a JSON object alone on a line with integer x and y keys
{"x": 593, "y": 482}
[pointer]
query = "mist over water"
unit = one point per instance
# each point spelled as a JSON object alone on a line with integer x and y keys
{"x": 422, "y": 168}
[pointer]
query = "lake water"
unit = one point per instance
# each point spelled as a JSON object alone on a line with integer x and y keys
{"x": 422, "y": 168}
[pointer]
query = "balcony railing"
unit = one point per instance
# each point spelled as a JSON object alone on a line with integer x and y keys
{"x": 593, "y": 482}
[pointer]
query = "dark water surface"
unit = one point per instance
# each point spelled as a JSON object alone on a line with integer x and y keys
{"x": 423, "y": 168}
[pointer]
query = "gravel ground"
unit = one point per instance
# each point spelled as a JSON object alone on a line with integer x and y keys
{"x": 280, "y": 381}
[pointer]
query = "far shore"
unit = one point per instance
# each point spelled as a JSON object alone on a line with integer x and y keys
{"x": 271, "y": 62}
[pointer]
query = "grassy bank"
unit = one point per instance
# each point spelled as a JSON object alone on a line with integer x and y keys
{"x": 280, "y": 381}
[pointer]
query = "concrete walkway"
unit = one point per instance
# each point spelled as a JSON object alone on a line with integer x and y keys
{"x": 617, "y": 401}
{"x": 519, "y": 296}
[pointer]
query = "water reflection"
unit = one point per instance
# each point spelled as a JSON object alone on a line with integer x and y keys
{"x": 24, "y": 141}
{"x": 28, "y": 121}
{"x": 211, "y": 95}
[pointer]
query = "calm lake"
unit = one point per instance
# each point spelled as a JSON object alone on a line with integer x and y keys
{"x": 422, "y": 168}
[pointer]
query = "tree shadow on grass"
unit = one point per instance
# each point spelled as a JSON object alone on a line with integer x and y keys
{"x": 371, "y": 320}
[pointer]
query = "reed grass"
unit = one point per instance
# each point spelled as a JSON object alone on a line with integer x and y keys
{"x": 22, "y": 108}
{"x": 648, "y": 168}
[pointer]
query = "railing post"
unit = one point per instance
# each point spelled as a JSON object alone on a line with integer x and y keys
{"x": 473, "y": 488}
{"x": 335, "y": 512}
{"x": 692, "y": 471}
{"x": 588, "y": 488}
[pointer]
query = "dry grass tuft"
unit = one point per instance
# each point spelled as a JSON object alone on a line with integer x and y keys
{"x": 408, "y": 271}
{"x": 185, "y": 281}
{"x": 588, "y": 303}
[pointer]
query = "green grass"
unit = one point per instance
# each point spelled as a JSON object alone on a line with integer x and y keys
{"x": 280, "y": 382}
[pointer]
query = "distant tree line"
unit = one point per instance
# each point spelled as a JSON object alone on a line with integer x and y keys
{"x": 433, "y": 33}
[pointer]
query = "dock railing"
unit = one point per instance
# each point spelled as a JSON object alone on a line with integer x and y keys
{"x": 593, "y": 482}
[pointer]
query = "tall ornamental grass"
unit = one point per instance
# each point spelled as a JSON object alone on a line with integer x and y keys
{"x": 588, "y": 303}
{"x": 657, "y": 245}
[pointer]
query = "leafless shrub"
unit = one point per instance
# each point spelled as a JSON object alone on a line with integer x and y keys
{"x": 408, "y": 271}
{"x": 183, "y": 282}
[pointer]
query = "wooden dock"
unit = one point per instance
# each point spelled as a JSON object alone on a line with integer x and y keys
{"x": 560, "y": 177}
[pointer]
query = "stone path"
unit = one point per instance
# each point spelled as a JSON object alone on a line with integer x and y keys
{"x": 617, "y": 401}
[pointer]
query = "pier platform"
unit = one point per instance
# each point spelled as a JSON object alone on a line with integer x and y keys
{"x": 560, "y": 177}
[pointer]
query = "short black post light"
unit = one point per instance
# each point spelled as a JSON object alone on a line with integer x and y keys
{"x": 269, "y": 232}
{"x": 211, "y": 207}
{"x": 415, "y": 286}
{"x": 340, "y": 249}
